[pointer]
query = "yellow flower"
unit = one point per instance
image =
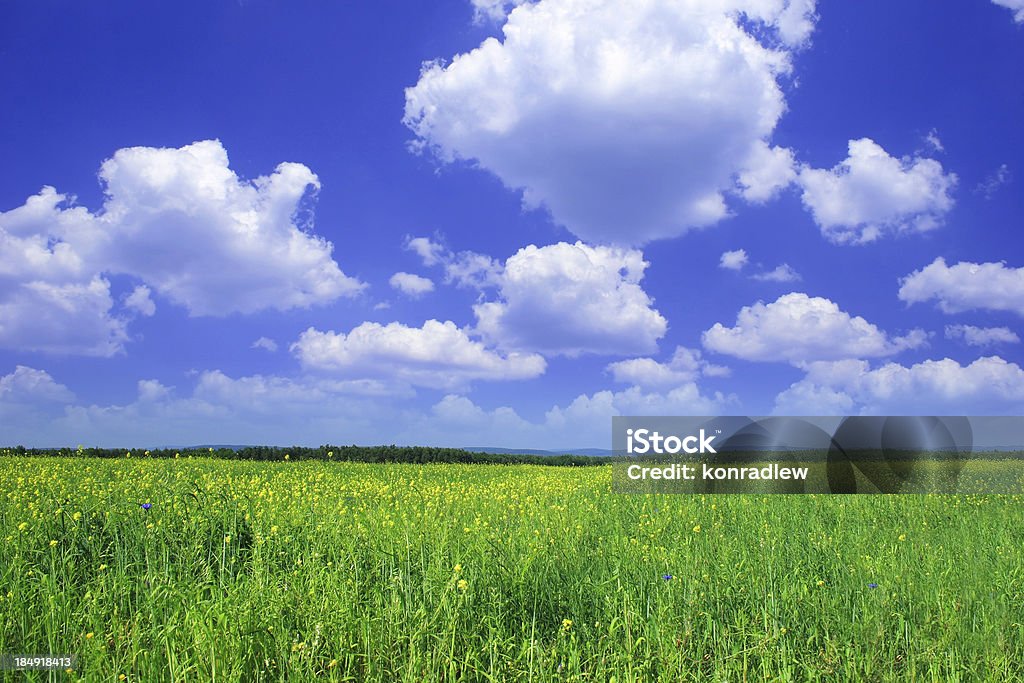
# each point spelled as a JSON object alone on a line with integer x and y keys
{"x": 89, "y": 635}
{"x": 463, "y": 584}
{"x": 903, "y": 537}
{"x": 457, "y": 569}
{"x": 333, "y": 663}
{"x": 287, "y": 456}
{"x": 227, "y": 539}
{"x": 103, "y": 567}
{"x": 783, "y": 630}
{"x": 77, "y": 516}
{"x": 566, "y": 624}
{"x": 820, "y": 582}
{"x": 22, "y": 526}
{"x": 53, "y": 543}
{"x": 122, "y": 677}
{"x": 696, "y": 529}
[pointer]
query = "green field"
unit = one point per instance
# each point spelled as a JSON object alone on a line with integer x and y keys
{"x": 249, "y": 571}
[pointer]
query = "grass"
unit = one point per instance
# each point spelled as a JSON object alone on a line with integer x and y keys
{"x": 243, "y": 571}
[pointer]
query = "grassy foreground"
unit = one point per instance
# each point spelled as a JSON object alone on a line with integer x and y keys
{"x": 245, "y": 571}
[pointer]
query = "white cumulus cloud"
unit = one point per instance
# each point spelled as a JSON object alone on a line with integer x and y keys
{"x": 572, "y": 299}
{"x": 140, "y": 301}
{"x": 628, "y": 120}
{"x": 52, "y": 299}
{"x": 782, "y": 273}
{"x": 184, "y": 222}
{"x": 463, "y": 268}
{"x": 411, "y": 285}
{"x": 982, "y": 336}
{"x": 800, "y": 329}
{"x": 29, "y": 385}
{"x": 686, "y": 365}
{"x": 733, "y": 260}
{"x": 871, "y": 194}
{"x": 767, "y": 171}
{"x": 179, "y": 220}
{"x": 437, "y": 355}
{"x": 932, "y": 387}
{"x": 966, "y": 286}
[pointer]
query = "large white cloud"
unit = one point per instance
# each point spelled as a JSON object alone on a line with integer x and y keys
{"x": 184, "y": 222}
{"x": 1017, "y": 6}
{"x": 935, "y": 387}
{"x": 800, "y": 329}
{"x": 438, "y": 355}
{"x": 966, "y": 286}
{"x": 627, "y": 119}
{"x": 871, "y": 193}
{"x": 686, "y": 365}
{"x": 52, "y": 298}
{"x": 572, "y": 299}
{"x": 179, "y": 220}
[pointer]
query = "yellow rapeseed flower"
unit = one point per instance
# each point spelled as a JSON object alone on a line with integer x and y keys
{"x": 463, "y": 584}
{"x": 696, "y": 529}
{"x": 820, "y": 582}
{"x": 89, "y": 635}
{"x": 903, "y": 537}
{"x": 22, "y": 526}
{"x": 566, "y": 624}
{"x": 53, "y": 543}
{"x": 457, "y": 569}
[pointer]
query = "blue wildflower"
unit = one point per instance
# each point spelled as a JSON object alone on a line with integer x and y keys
{"x": 667, "y": 577}
{"x": 872, "y": 585}
{"x": 146, "y": 506}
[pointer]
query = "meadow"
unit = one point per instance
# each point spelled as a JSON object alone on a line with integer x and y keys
{"x": 196, "y": 569}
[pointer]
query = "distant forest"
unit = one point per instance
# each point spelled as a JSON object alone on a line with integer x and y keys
{"x": 411, "y": 454}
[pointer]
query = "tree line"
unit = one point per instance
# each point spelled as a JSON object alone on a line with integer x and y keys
{"x": 353, "y": 453}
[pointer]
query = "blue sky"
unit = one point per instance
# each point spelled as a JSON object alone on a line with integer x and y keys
{"x": 486, "y": 223}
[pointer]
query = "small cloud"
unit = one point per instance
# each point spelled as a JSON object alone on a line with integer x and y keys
{"x": 991, "y": 184}
{"x": 265, "y": 343}
{"x": 463, "y": 269}
{"x": 932, "y": 138}
{"x": 1015, "y": 6}
{"x": 382, "y": 306}
{"x": 783, "y": 273}
{"x": 982, "y": 336}
{"x": 413, "y": 286}
{"x": 733, "y": 260}
{"x": 140, "y": 301}
{"x": 151, "y": 390}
